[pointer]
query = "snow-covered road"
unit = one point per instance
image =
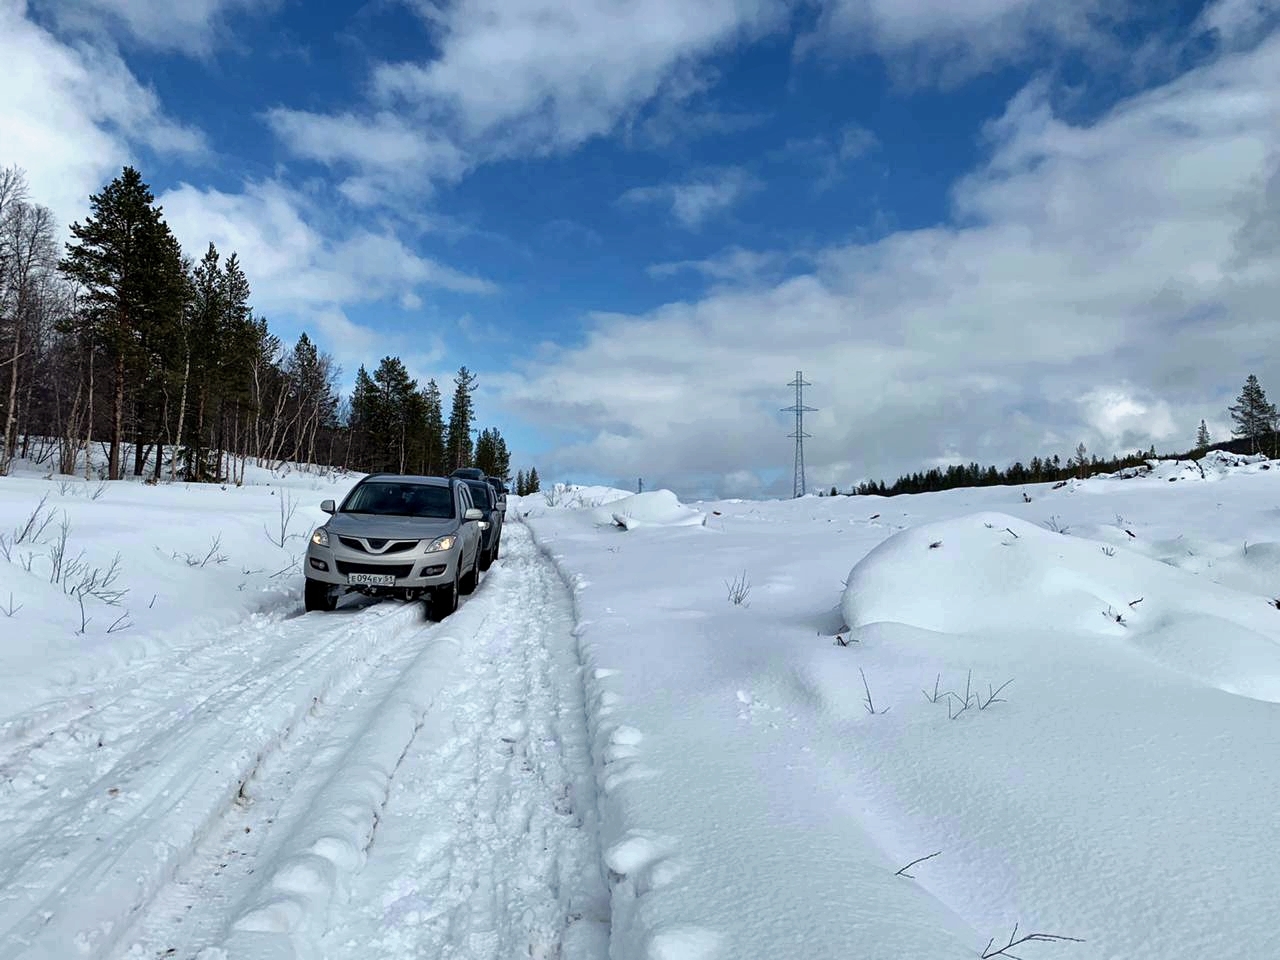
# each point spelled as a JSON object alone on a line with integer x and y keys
{"x": 356, "y": 784}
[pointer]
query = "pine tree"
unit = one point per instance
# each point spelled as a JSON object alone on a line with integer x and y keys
{"x": 531, "y": 482}
{"x": 1202, "y": 437}
{"x": 521, "y": 488}
{"x": 433, "y": 425}
{"x": 461, "y": 415}
{"x": 115, "y": 256}
{"x": 1251, "y": 412}
{"x": 1081, "y": 460}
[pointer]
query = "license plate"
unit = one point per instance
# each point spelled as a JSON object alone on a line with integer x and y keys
{"x": 371, "y": 579}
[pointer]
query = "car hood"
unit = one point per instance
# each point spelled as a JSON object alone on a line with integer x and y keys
{"x": 389, "y": 528}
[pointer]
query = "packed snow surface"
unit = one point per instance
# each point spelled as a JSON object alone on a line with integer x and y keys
{"x": 828, "y": 728}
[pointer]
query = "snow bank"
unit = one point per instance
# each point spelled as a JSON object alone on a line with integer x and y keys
{"x": 573, "y": 496}
{"x": 754, "y": 805}
{"x": 1212, "y": 466}
{"x": 95, "y": 576}
{"x": 993, "y": 572}
{"x": 657, "y": 508}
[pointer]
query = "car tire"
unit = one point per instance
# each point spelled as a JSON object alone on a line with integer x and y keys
{"x": 486, "y": 560}
{"x": 318, "y": 595}
{"x": 496, "y": 544}
{"x": 467, "y": 585}
{"x": 443, "y": 601}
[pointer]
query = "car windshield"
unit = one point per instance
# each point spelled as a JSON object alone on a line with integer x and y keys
{"x": 480, "y": 492}
{"x": 391, "y": 499}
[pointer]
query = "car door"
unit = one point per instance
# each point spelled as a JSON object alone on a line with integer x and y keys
{"x": 470, "y": 530}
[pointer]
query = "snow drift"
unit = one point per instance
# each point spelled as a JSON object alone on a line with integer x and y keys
{"x": 993, "y": 573}
{"x": 657, "y": 508}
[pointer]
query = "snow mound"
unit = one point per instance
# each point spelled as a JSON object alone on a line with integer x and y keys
{"x": 992, "y": 573}
{"x": 1213, "y": 465}
{"x": 573, "y": 496}
{"x": 657, "y": 508}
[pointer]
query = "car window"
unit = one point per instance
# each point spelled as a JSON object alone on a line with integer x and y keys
{"x": 391, "y": 499}
{"x": 480, "y": 493}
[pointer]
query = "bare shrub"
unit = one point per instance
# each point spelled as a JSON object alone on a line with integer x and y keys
{"x": 903, "y": 871}
{"x": 1015, "y": 940}
{"x": 1055, "y": 524}
{"x": 867, "y": 701}
{"x": 33, "y": 528}
{"x": 739, "y": 589}
{"x": 281, "y": 536}
{"x": 213, "y": 555}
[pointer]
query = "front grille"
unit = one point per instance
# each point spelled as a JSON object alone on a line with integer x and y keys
{"x": 399, "y": 570}
{"x": 399, "y": 546}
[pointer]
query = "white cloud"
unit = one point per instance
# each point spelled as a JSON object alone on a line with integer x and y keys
{"x": 943, "y": 39}
{"x": 72, "y": 115}
{"x": 1238, "y": 21}
{"x": 352, "y": 344}
{"x": 383, "y": 152}
{"x": 694, "y": 201}
{"x": 517, "y": 77}
{"x": 1125, "y": 418}
{"x": 190, "y": 26}
{"x": 553, "y": 73}
{"x": 734, "y": 265}
{"x": 1142, "y": 251}
{"x": 292, "y": 265}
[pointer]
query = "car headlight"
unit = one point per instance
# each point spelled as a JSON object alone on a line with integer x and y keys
{"x": 442, "y": 543}
{"x": 320, "y": 537}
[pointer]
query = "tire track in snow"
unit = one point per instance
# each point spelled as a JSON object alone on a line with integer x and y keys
{"x": 94, "y": 856}
{"x": 487, "y": 845}
{"x": 74, "y": 743}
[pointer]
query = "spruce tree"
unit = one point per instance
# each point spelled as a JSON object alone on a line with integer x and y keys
{"x": 486, "y": 451}
{"x": 397, "y": 392}
{"x": 521, "y": 489}
{"x": 1252, "y": 414}
{"x": 531, "y": 482}
{"x": 501, "y": 457}
{"x": 461, "y": 414}
{"x": 1202, "y": 437}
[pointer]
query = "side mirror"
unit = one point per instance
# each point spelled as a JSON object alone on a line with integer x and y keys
{"x": 328, "y": 506}
{"x": 473, "y": 514}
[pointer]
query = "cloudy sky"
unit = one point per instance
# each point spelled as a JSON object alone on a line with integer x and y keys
{"x": 984, "y": 230}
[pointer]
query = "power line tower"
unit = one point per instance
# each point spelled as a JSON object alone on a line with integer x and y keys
{"x": 798, "y": 489}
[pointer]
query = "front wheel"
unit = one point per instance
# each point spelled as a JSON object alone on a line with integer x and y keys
{"x": 467, "y": 585}
{"x": 318, "y": 595}
{"x": 443, "y": 601}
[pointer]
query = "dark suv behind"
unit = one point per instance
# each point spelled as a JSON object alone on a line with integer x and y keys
{"x": 486, "y": 499}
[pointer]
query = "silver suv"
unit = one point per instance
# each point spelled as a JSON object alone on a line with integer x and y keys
{"x": 400, "y": 536}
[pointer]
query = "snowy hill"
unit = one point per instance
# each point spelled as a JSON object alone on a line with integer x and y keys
{"x": 699, "y": 731}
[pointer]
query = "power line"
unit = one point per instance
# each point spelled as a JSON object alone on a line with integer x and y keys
{"x": 799, "y": 409}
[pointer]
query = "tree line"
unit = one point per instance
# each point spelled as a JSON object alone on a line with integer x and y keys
{"x": 1255, "y": 428}
{"x": 123, "y": 340}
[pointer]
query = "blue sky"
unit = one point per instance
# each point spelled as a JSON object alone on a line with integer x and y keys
{"x": 984, "y": 230}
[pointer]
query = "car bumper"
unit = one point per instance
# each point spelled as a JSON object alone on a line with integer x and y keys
{"x": 411, "y": 572}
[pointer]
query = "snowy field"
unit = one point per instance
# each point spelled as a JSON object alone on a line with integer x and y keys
{"x": 657, "y": 731}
